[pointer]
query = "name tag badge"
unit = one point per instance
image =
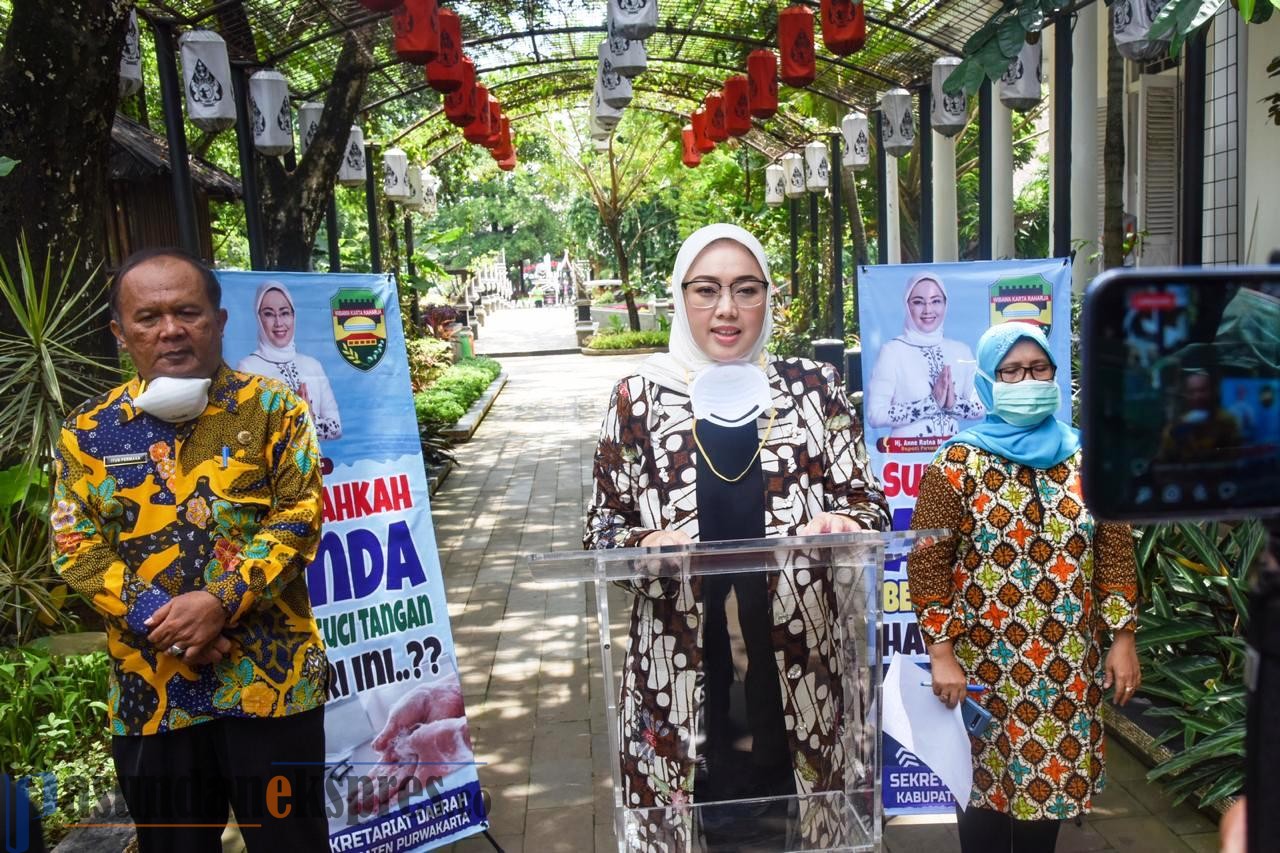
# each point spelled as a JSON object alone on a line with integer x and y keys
{"x": 120, "y": 459}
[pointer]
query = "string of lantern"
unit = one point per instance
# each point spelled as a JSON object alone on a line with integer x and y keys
{"x": 622, "y": 57}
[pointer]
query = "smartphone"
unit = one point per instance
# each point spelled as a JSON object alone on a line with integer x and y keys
{"x": 976, "y": 718}
{"x": 1180, "y": 393}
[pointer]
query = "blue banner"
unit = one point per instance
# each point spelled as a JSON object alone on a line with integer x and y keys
{"x": 400, "y": 774}
{"x": 920, "y": 325}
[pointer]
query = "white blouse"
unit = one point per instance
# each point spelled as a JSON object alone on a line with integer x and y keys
{"x": 900, "y": 394}
{"x": 305, "y": 376}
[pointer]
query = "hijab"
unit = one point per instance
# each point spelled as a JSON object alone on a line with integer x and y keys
{"x": 913, "y": 334}
{"x": 267, "y": 350}
{"x": 1040, "y": 446}
{"x": 685, "y": 361}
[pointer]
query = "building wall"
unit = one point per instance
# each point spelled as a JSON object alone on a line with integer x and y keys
{"x": 1260, "y": 213}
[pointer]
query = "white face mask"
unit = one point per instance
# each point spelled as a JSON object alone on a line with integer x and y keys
{"x": 174, "y": 399}
{"x": 730, "y": 393}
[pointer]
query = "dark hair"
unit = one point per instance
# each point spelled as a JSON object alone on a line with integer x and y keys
{"x": 212, "y": 288}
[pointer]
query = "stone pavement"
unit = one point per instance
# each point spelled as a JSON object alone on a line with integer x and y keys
{"x": 524, "y": 331}
{"x": 527, "y": 651}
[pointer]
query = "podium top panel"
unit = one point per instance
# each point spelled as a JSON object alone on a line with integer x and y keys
{"x": 862, "y": 547}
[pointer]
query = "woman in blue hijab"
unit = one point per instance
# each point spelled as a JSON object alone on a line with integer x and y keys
{"x": 1020, "y": 598}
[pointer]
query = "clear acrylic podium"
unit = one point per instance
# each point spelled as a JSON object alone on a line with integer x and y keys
{"x": 823, "y": 592}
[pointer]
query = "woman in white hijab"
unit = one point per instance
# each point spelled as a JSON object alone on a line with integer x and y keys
{"x": 277, "y": 358}
{"x": 718, "y": 440}
{"x": 922, "y": 384}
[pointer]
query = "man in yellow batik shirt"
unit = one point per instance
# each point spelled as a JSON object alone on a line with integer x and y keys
{"x": 186, "y": 509}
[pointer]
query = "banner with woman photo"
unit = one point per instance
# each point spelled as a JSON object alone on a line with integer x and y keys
{"x": 919, "y": 325}
{"x": 400, "y": 774}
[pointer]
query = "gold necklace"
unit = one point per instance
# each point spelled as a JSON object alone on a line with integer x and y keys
{"x": 773, "y": 413}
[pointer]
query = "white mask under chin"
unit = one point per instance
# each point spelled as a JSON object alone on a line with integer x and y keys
{"x": 730, "y": 393}
{"x": 174, "y": 399}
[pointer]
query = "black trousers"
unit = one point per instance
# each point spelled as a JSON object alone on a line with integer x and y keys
{"x": 269, "y": 770}
{"x": 987, "y": 831}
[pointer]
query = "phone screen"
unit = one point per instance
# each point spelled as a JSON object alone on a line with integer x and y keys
{"x": 1181, "y": 389}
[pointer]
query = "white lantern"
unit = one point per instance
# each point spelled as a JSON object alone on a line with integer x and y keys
{"x": 775, "y": 184}
{"x": 613, "y": 87}
{"x": 629, "y": 55}
{"x": 206, "y": 77}
{"x": 413, "y": 177}
{"x": 948, "y": 114}
{"x": 793, "y": 168}
{"x": 897, "y": 122}
{"x": 269, "y": 113}
{"x": 1130, "y": 23}
{"x": 395, "y": 174}
{"x": 351, "y": 171}
{"x": 308, "y": 120}
{"x": 817, "y": 167}
{"x": 131, "y": 58}
{"x": 857, "y": 140}
{"x": 1020, "y": 84}
{"x": 606, "y": 115}
{"x": 430, "y": 190}
{"x": 633, "y": 19}
{"x": 597, "y": 130}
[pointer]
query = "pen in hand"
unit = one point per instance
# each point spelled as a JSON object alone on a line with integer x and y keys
{"x": 972, "y": 688}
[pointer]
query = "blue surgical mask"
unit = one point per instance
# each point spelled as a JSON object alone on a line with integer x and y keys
{"x": 1028, "y": 402}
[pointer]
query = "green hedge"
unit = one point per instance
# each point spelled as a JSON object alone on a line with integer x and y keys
{"x": 631, "y": 340}
{"x": 448, "y": 398}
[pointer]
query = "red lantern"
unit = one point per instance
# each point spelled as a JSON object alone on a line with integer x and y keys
{"x": 795, "y": 41}
{"x": 716, "y": 127}
{"x": 844, "y": 26}
{"x": 460, "y": 104}
{"x": 495, "y": 124}
{"x": 477, "y": 132}
{"x": 737, "y": 105}
{"x": 691, "y": 157}
{"x": 380, "y": 5}
{"x": 504, "y": 149}
{"x": 762, "y": 79}
{"x": 417, "y": 28}
{"x": 445, "y": 73}
{"x": 705, "y": 144}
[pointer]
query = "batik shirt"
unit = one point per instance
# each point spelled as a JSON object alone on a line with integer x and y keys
{"x": 230, "y": 503}
{"x": 813, "y": 461}
{"x": 1026, "y": 586}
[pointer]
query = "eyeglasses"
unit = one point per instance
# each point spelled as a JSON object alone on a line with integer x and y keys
{"x": 745, "y": 292}
{"x": 1016, "y": 373}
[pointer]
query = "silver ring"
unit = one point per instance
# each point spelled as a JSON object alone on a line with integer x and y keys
{"x": 1128, "y": 689}
{"x": 177, "y": 651}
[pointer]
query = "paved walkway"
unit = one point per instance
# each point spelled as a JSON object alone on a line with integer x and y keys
{"x": 528, "y": 330}
{"x": 527, "y": 650}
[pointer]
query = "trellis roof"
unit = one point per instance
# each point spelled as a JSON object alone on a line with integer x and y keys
{"x": 540, "y": 55}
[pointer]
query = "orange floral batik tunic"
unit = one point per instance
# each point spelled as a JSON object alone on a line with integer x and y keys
{"x": 1026, "y": 585}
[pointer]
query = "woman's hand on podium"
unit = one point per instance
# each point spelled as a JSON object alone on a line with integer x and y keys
{"x": 949, "y": 681}
{"x": 658, "y": 538}
{"x": 830, "y": 522}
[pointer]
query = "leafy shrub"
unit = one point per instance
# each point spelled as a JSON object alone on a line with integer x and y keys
{"x": 1194, "y": 587}
{"x": 448, "y": 398}
{"x": 428, "y": 359}
{"x": 53, "y": 719}
{"x": 630, "y": 340}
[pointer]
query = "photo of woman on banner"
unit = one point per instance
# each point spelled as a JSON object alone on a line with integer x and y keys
{"x": 922, "y": 383}
{"x": 717, "y": 440}
{"x": 277, "y": 357}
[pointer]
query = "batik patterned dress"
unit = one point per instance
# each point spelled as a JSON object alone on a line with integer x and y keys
{"x": 1026, "y": 586}
{"x": 645, "y": 480}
